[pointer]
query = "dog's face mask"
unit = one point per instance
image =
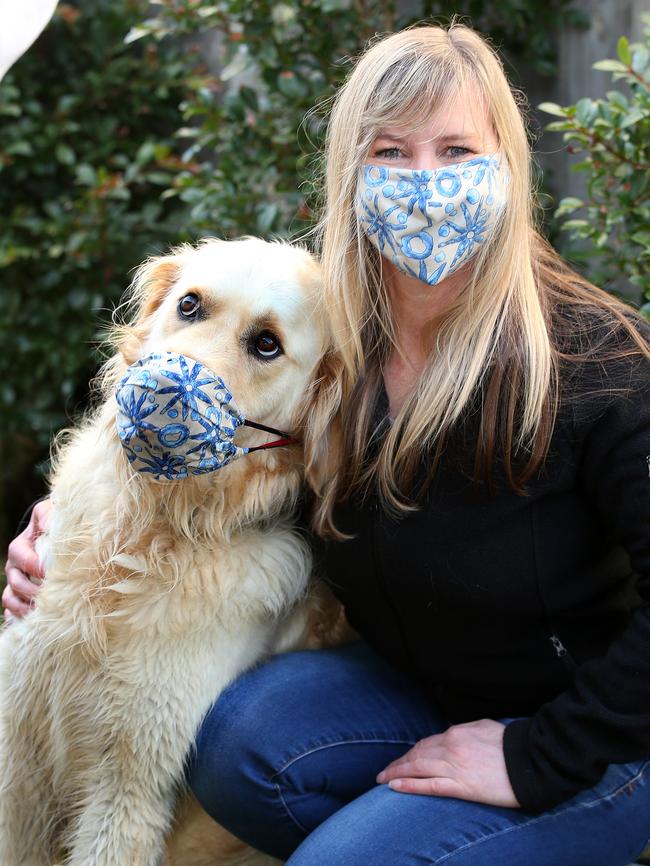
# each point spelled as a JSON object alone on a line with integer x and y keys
{"x": 176, "y": 418}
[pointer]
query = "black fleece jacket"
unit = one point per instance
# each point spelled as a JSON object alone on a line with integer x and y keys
{"x": 535, "y": 607}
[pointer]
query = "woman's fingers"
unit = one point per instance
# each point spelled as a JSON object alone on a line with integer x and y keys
{"x": 21, "y": 586}
{"x": 23, "y": 568}
{"x": 465, "y": 761}
{"x": 23, "y": 557}
{"x": 22, "y": 552}
{"x": 437, "y": 787}
{"x": 14, "y": 605}
{"x": 418, "y": 768}
{"x": 416, "y": 757}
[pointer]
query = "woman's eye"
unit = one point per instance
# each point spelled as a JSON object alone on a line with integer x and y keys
{"x": 265, "y": 345}
{"x": 189, "y": 306}
{"x": 389, "y": 153}
{"x": 457, "y": 151}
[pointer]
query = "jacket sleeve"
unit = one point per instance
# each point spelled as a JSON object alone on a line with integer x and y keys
{"x": 604, "y": 717}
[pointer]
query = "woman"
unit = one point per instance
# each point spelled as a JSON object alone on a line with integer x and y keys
{"x": 481, "y": 501}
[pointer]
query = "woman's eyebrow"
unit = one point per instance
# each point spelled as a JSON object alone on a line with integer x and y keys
{"x": 446, "y": 136}
{"x": 454, "y": 136}
{"x": 391, "y": 135}
{"x": 459, "y": 135}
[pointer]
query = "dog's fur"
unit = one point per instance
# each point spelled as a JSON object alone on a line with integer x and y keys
{"x": 159, "y": 593}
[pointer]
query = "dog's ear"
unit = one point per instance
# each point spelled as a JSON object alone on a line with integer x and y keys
{"x": 151, "y": 284}
{"x": 153, "y": 281}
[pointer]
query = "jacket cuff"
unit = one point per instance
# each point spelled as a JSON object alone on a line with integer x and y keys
{"x": 532, "y": 796}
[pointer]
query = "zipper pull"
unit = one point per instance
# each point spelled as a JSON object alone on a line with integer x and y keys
{"x": 558, "y": 646}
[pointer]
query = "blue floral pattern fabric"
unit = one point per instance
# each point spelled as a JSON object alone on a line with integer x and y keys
{"x": 430, "y": 222}
{"x": 176, "y": 418}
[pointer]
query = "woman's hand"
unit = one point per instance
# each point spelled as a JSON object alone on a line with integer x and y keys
{"x": 466, "y": 761}
{"x": 23, "y": 569}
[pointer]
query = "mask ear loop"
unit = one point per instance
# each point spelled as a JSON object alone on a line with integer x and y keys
{"x": 285, "y": 439}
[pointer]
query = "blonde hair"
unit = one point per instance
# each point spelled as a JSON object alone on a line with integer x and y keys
{"x": 495, "y": 335}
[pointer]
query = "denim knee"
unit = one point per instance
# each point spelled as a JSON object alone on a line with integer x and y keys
{"x": 238, "y": 748}
{"x": 295, "y": 738}
{"x": 225, "y": 758}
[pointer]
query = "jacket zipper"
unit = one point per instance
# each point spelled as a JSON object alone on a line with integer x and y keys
{"x": 563, "y": 653}
{"x": 558, "y": 646}
{"x": 560, "y": 650}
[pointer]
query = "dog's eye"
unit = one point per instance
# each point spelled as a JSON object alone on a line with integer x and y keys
{"x": 189, "y": 306}
{"x": 265, "y": 345}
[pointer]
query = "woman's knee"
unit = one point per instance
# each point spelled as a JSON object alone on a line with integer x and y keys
{"x": 247, "y": 733}
{"x": 295, "y": 702}
{"x": 226, "y": 750}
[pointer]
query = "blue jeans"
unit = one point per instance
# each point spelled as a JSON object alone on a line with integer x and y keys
{"x": 287, "y": 757}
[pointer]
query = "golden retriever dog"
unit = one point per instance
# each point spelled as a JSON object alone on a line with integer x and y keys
{"x": 161, "y": 590}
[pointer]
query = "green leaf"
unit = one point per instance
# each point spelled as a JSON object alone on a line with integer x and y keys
{"x": 207, "y": 11}
{"x": 65, "y": 154}
{"x": 568, "y": 205}
{"x": 623, "y": 50}
{"x": 585, "y": 109}
{"x": 19, "y": 148}
{"x": 617, "y": 99}
{"x": 192, "y": 194}
{"x": 237, "y": 65}
{"x": 136, "y": 33}
{"x": 159, "y": 177}
{"x": 188, "y": 132}
{"x": 640, "y": 60}
{"x": 329, "y": 6}
{"x": 634, "y": 116}
{"x": 85, "y": 174}
{"x": 584, "y": 165}
{"x": 266, "y": 217}
{"x": 290, "y": 85}
{"x": 146, "y": 152}
{"x": 552, "y": 108}
{"x": 75, "y": 240}
{"x": 642, "y": 238}
{"x": 609, "y": 66}
{"x": 558, "y": 126}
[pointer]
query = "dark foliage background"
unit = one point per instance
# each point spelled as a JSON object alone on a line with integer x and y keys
{"x": 611, "y": 222}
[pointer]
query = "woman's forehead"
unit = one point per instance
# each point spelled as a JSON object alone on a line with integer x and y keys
{"x": 459, "y": 118}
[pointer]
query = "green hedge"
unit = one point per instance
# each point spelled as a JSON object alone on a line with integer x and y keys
{"x": 613, "y": 136}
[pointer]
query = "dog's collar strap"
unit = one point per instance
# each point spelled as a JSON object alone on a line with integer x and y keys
{"x": 285, "y": 438}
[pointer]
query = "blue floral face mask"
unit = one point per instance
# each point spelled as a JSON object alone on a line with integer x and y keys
{"x": 176, "y": 418}
{"x": 429, "y": 223}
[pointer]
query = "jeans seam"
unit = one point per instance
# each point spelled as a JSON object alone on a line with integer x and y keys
{"x": 312, "y": 751}
{"x": 288, "y": 811}
{"x": 543, "y": 817}
{"x": 355, "y": 741}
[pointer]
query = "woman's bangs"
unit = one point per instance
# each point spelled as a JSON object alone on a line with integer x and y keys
{"x": 426, "y": 89}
